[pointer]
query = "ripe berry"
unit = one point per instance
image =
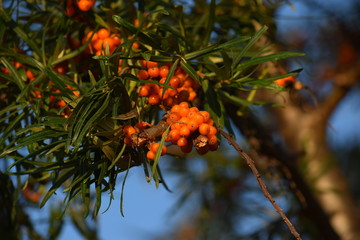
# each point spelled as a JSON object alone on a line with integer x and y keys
{"x": 173, "y": 136}
{"x": 153, "y": 72}
{"x": 185, "y": 131}
{"x": 193, "y": 125}
{"x": 85, "y": 5}
{"x": 198, "y": 118}
{"x": 144, "y": 91}
{"x": 103, "y": 33}
{"x": 129, "y": 130}
{"x": 212, "y": 131}
{"x": 164, "y": 71}
{"x": 184, "y": 111}
{"x": 154, "y": 99}
{"x": 206, "y": 115}
{"x": 155, "y": 146}
{"x": 182, "y": 142}
{"x": 143, "y": 74}
{"x": 175, "y": 108}
{"x": 173, "y": 117}
{"x": 184, "y": 104}
{"x": 150, "y": 155}
{"x": 204, "y": 129}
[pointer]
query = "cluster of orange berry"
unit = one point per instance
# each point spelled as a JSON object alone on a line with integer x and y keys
{"x": 54, "y": 102}
{"x": 29, "y": 76}
{"x": 191, "y": 127}
{"x": 183, "y": 87}
{"x": 129, "y": 130}
{"x": 101, "y": 40}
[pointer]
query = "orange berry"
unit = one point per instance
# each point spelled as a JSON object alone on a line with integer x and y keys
{"x": 192, "y": 96}
{"x": 85, "y": 5}
{"x": 150, "y": 155}
{"x": 184, "y": 104}
{"x": 210, "y": 122}
{"x": 206, "y": 115}
{"x": 60, "y": 104}
{"x": 163, "y": 71}
{"x": 171, "y": 92}
{"x": 213, "y": 130}
{"x": 193, "y": 125}
{"x": 173, "y": 136}
{"x": 143, "y": 74}
{"x": 198, "y": 118}
{"x": 154, "y": 99}
{"x": 212, "y": 139}
{"x": 175, "y": 82}
{"x": 97, "y": 44}
{"x": 144, "y": 91}
{"x": 103, "y": 33}
{"x": 140, "y": 126}
{"x": 185, "y": 131}
{"x": 30, "y": 75}
{"x": 116, "y": 39}
{"x": 184, "y": 120}
{"x": 153, "y": 72}
{"x": 176, "y": 125}
{"x": 155, "y": 146}
{"x": 129, "y": 130}
{"x": 135, "y": 45}
{"x": 150, "y": 64}
{"x": 168, "y": 101}
{"x": 175, "y": 108}
{"x": 283, "y": 82}
{"x": 204, "y": 129}
{"x": 108, "y": 42}
{"x": 182, "y": 142}
{"x": 128, "y": 141}
{"x": 214, "y": 147}
{"x": 194, "y": 109}
{"x": 175, "y": 116}
{"x": 37, "y": 93}
{"x": 184, "y": 111}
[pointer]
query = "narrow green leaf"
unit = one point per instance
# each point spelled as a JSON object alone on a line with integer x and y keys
{"x": 210, "y": 23}
{"x": 158, "y": 153}
{"x": 270, "y": 57}
{"x": 15, "y": 77}
{"x": 59, "y": 181}
{"x": 252, "y": 41}
{"x": 122, "y": 190}
{"x": 190, "y": 70}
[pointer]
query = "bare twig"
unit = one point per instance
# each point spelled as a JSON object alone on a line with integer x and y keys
{"x": 262, "y": 185}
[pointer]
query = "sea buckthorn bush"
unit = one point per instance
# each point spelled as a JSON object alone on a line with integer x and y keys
{"x": 95, "y": 89}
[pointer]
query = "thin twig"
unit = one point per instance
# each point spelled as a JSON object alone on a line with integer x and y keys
{"x": 262, "y": 185}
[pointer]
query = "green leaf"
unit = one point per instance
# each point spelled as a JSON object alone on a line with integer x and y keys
{"x": 210, "y": 23}
{"x": 270, "y": 57}
{"x": 190, "y": 70}
{"x": 142, "y": 36}
{"x": 159, "y": 150}
{"x": 215, "y": 48}
{"x": 252, "y": 41}
{"x": 59, "y": 181}
{"x": 15, "y": 77}
{"x": 212, "y": 104}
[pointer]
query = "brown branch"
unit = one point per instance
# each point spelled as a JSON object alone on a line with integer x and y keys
{"x": 262, "y": 185}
